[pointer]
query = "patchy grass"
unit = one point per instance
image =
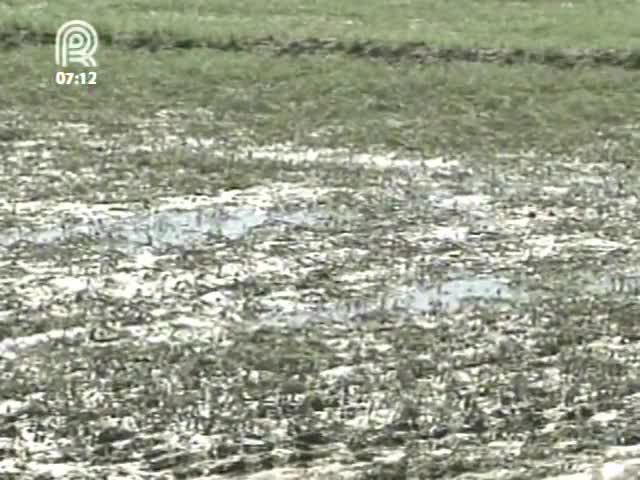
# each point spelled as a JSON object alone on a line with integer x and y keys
{"x": 315, "y": 348}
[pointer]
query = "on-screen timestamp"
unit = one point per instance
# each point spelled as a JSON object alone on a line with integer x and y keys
{"x": 81, "y": 78}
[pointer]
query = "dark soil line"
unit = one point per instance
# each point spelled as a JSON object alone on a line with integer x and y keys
{"x": 417, "y": 52}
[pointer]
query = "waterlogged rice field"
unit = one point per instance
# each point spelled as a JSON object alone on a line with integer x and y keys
{"x": 279, "y": 312}
{"x": 338, "y": 240}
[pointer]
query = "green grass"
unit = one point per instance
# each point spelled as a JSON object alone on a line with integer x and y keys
{"x": 432, "y": 108}
{"x": 495, "y": 23}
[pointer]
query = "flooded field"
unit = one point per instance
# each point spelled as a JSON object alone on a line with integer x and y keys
{"x": 331, "y": 314}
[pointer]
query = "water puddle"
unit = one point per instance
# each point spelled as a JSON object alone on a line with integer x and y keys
{"x": 624, "y": 285}
{"x": 447, "y": 297}
{"x": 468, "y": 203}
{"x": 177, "y": 228}
{"x": 453, "y": 295}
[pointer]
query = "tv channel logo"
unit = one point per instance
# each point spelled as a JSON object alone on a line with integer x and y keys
{"x": 76, "y": 42}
